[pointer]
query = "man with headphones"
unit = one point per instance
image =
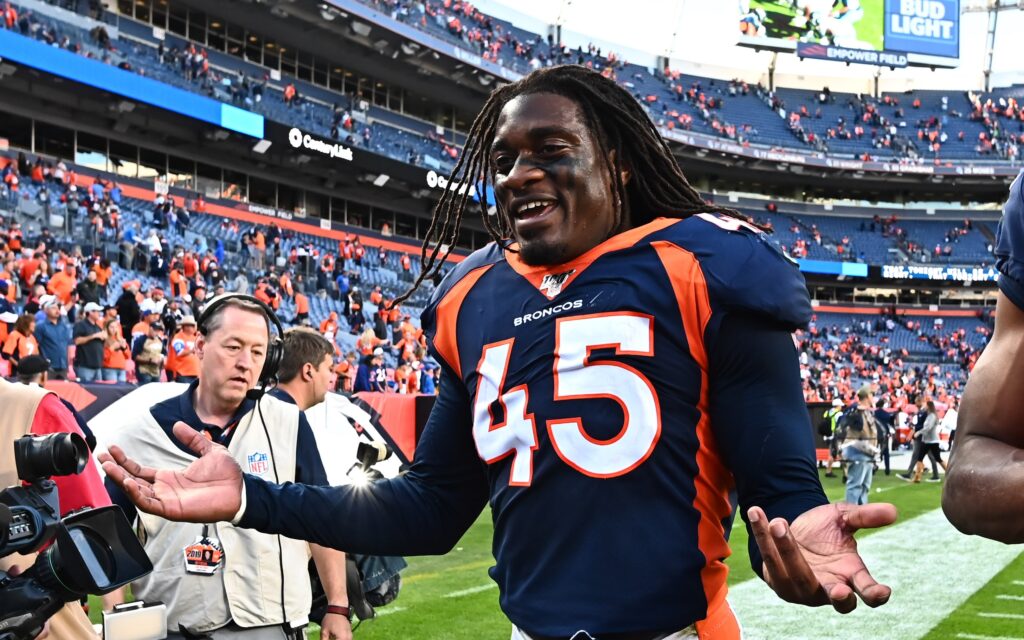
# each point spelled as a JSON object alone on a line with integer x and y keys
{"x": 219, "y": 581}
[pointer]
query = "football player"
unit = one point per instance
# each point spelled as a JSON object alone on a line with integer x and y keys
{"x": 616, "y": 364}
{"x": 983, "y": 493}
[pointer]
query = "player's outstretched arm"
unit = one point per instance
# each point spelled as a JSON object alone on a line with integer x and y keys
{"x": 984, "y": 491}
{"x": 802, "y": 546}
{"x": 208, "y": 490}
{"x": 423, "y": 512}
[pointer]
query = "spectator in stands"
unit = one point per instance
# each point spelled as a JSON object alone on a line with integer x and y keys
{"x": 371, "y": 375}
{"x": 128, "y": 307}
{"x": 89, "y": 289}
{"x": 355, "y": 305}
{"x": 54, "y": 335}
{"x": 428, "y": 381}
{"x": 155, "y": 302}
{"x": 21, "y": 342}
{"x": 63, "y": 283}
{"x": 115, "y": 353}
{"x": 88, "y": 338}
{"x": 182, "y": 359}
{"x": 346, "y": 373}
{"x": 860, "y": 447}
{"x": 301, "y": 309}
{"x": 150, "y": 352}
{"x": 198, "y": 302}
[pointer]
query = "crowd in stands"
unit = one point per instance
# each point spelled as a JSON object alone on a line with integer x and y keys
{"x": 873, "y": 240}
{"x": 55, "y": 296}
{"x": 827, "y": 122}
{"x": 902, "y": 357}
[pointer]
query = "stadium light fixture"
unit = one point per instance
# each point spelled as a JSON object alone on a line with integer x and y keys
{"x": 261, "y": 146}
{"x": 381, "y": 180}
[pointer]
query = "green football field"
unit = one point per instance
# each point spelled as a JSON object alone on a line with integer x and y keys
{"x": 946, "y": 585}
{"x": 779, "y": 21}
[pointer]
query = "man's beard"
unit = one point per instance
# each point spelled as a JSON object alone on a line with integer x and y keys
{"x": 538, "y": 252}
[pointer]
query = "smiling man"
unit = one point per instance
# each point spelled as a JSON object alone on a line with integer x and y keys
{"x": 616, "y": 364}
{"x": 219, "y": 581}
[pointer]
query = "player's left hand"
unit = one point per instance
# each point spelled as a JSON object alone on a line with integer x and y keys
{"x": 335, "y": 627}
{"x": 814, "y": 560}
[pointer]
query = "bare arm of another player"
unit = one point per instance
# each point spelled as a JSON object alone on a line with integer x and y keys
{"x": 984, "y": 492}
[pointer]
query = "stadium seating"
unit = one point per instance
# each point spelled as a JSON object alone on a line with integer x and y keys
{"x": 749, "y": 114}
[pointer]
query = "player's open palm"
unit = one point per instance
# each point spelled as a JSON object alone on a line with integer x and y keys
{"x": 814, "y": 560}
{"x": 208, "y": 490}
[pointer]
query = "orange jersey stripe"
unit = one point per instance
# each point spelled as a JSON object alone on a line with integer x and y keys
{"x": 448, "y": 317}
{"x": 713, "y": 480}
{"x": 535, "y": 274}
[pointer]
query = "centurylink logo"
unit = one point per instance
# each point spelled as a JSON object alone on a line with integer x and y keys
{"x": 332, "y": 149}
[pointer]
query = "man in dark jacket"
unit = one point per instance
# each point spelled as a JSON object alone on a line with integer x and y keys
{"x": 89, "y": 290}
{"x": 128, "y": 310}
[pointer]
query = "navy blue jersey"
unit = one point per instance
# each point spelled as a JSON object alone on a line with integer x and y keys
{"x": 608, "y": 409}
{"x": 1010, "y": 244}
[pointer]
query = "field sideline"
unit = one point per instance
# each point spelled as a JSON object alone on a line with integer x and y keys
{"x": 946, "y": 585}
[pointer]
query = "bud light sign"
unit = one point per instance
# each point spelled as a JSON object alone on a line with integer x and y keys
{"x": 926, "y": 27}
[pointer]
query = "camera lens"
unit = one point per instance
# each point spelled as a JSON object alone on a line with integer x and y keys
{"x": 59, "y": 454}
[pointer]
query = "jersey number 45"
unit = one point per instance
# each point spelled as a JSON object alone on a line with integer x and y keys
{"x": 576, "y": 376}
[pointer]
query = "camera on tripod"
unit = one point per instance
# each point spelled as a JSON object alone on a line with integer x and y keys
{"x": 93, "y": 551}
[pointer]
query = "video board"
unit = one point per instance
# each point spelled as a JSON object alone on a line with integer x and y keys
{"x": 883, "y": 32}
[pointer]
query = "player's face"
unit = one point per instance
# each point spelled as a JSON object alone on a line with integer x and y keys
{"x": 551, "y": 182}
{"x": 232, "y": 356}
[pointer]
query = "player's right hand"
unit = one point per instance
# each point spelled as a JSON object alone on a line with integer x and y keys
{"x": 208, "y": 490}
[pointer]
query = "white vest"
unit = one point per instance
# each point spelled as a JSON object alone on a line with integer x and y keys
{"x": 247, "y": 588}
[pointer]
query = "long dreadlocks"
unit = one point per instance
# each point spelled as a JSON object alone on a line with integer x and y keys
{"x": 656, "y": 188}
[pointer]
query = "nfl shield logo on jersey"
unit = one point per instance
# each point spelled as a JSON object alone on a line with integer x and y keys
{"x": 259, "y": 463}
{"x": 553, "y": 282}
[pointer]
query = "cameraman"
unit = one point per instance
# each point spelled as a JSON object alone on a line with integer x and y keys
{"x": 36, "y": 411}
{"x": 305, "y": 377}
{"x": 257, "y": 586}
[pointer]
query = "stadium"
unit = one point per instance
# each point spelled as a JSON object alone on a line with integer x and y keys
{"x": 156, "y": 153}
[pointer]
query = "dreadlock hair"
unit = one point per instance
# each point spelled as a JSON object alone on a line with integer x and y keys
{"x": 656, "y": 187}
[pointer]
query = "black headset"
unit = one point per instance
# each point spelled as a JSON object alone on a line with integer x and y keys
{"x": 275, "y": 347}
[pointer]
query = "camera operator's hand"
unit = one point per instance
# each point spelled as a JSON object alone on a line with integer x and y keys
{"x": 814, "y": 561}
{"x": 13, "y": 571}
{"x": 208, "y": 490}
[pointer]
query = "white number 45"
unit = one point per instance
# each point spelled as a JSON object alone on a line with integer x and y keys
{"x": 576, "y": 377}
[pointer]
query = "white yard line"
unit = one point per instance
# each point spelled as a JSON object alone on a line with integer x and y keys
{"x": 1001, "y": 616}
{"x": 909, "y": 557}
{"x": 388, "y": 611}
{"x": 1018, "y": 583}
{"x": 471, "y": 590}
{"x": 1004, "y": 596}
{"x": 974, "y": 636}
